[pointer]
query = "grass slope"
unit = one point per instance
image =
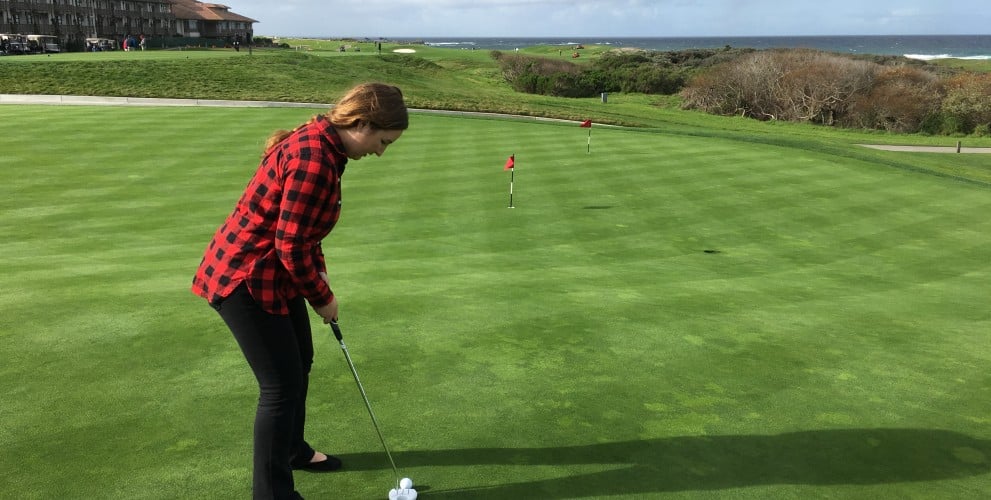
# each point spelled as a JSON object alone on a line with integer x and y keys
{"x": 434, "y": 78}
{"x": 583, "y": 344}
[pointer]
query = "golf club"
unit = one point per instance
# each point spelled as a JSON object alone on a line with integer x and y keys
{"x": 404, "y": 487}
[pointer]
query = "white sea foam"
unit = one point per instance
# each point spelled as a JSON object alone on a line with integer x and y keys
{"x": 931, "y": 57}
{"x": 444, "y": 44}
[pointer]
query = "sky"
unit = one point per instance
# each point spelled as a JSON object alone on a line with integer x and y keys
{"x": 612, "y": 18}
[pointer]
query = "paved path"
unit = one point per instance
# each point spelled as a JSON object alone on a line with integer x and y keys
{"x": 927, "y": 149}
{"x": 85, "y": 100}
{"x": 88, "y": 100}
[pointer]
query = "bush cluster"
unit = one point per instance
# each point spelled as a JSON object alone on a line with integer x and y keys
{"x": 866, "y": 91}
{"x": 545, "y": 76}
{"x": 812, "y": 86}
{"x": 641, "y": 71}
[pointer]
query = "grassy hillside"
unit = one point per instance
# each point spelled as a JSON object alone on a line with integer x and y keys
{"x": 432, "y": 78}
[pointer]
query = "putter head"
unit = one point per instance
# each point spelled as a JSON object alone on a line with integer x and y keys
{"x": 403, "y": 494}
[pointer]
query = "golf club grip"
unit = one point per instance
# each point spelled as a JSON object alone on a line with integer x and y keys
{"x": 337, "y": 331}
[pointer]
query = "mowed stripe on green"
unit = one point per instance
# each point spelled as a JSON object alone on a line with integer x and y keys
{"x": 100, "y": 256}
{"x": 844, "y": 295}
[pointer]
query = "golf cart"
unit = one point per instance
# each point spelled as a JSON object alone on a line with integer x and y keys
{"x": 12, "y": 44}
{"x": 43, "y": 44}
{"x": 100, "y": 44}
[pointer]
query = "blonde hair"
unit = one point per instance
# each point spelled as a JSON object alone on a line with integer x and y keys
{"x": 379, "y": 105}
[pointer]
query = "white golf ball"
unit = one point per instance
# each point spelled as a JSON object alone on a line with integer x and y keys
{"x": 405, "y": 483}
{"x": 406, "y": 494}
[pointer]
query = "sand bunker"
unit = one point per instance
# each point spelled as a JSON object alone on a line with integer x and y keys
{"x": 404, "y": 51}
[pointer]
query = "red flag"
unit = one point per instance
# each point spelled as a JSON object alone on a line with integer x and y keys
{"x": 586, "y": 124}
{"x": 510, "y": 163}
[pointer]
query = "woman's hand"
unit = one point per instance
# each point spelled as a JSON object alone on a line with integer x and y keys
{"x": 329, "y": 311}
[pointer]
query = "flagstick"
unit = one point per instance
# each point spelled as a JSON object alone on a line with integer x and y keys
{"x": 512, "y": 175}
{"x": 588, "y": 149}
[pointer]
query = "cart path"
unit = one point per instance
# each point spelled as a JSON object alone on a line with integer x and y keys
{"x": 927, "y": 149}
{"x": 89, "y": 100}
{"x": 82, "y": 100}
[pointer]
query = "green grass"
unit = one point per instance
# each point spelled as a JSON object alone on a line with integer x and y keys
{"x": 978, "y": 65}
{"x": 436, "y": 78}
{"x": 581, "y": 345}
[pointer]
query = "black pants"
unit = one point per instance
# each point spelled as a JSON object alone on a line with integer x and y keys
{"x": 279, "y": 350}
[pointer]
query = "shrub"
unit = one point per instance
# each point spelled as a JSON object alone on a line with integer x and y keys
{"x": 537, "y": 75}
{"x": 953, "y": 125}
{"x": 900, "y": 99}
{"x": 648, "y": 72}
{"x": 794, "y": 85}
{"x": 817, "y": 87}
{"x": 967, "y": 104}
{"x": 932, "y": 124}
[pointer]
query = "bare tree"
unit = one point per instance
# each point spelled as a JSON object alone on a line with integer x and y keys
{"x": 798, "y": 85}
{"x": 817, "y": 87}
{"x": 899, "y": 100}
{"x": 745, "y": 86}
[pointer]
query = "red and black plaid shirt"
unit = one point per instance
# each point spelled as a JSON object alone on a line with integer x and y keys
{"x": 271, "y": 242}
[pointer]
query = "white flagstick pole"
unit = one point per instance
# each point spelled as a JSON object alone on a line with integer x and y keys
{"x": 512, "y": 176}
{"x": 588, "y": 149}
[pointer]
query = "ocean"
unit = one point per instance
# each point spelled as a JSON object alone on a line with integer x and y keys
{"x": 924, "y": 47}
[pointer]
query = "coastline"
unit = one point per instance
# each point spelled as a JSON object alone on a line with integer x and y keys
{"x": 923, "y": 47}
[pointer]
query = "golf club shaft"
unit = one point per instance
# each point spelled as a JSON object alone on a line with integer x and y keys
{"x": 340, "y": 339}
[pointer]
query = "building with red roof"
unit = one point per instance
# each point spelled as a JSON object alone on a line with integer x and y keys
{"x": 74, "y": 21}
{"x": 210, "y": 20}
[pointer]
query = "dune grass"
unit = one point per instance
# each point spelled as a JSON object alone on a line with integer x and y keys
{"x": 675, "y": 315}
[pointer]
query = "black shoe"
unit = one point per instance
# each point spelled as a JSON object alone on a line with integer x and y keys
{"x": 331, "y": 464}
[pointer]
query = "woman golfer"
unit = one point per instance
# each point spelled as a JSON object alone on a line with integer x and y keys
{"x": 265, "y": 263}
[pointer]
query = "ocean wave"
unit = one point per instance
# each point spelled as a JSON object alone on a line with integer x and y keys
{"x": 932, "y": 57}
{"x": 446, "y": 44}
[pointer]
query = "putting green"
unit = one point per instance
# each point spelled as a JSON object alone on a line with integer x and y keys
{"x": 583, "y": 344}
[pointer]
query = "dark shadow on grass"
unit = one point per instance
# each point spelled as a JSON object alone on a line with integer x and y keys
{"x": 597, "y": 207}
{"x": 825, "y": 457}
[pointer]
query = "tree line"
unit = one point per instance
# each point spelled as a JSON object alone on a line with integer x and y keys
{"x": 871, "y": 92}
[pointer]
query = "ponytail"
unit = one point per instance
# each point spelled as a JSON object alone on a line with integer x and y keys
{"x": 280, "y": 135}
